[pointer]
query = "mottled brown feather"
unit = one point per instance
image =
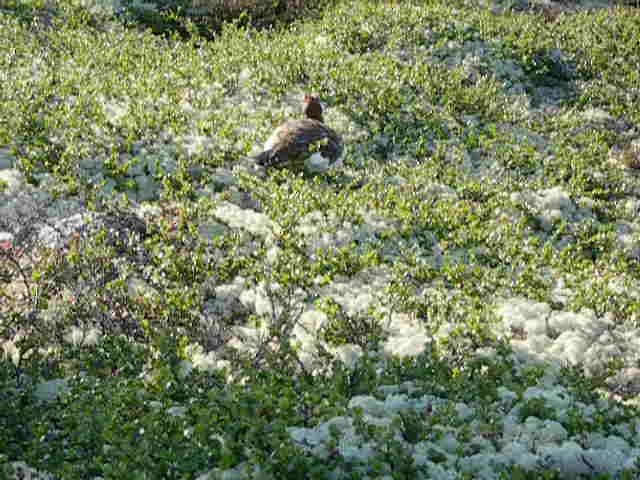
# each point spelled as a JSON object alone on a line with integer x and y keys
{"x": 295, "y": 140}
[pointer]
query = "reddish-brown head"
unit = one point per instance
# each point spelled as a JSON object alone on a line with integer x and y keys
{"x": 313, "y": 107}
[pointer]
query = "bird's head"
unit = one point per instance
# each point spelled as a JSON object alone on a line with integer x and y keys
{"x": 312, "y": 107}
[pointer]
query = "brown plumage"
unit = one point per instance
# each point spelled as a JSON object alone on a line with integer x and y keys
{"x": 295, "y": 141}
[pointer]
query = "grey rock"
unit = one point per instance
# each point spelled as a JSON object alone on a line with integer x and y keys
{"x": 223, "y": 179}
{"x": 7, "y": 160}
{"x": 91, "y": 164}
{"x": 49, "y": 391}
{"x": 147, "y": 188}
{"x": 136, "y": 167}
{"x": 196, "y": 171}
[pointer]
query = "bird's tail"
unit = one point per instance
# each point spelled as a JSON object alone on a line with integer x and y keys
{"x": 263, "y": 158}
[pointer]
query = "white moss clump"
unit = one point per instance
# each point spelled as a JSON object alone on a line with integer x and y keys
{"x": 253, "y": 222}
{"x": 531, "y": 443}
{"x": 316, "y": 439}
{"x": 54, "y": 220}
{"x": 115, "y": 111}
{"x": 550, "y": 431}
{"x": 539, "y": 335}
{"x": 137, "y": 287}
{"x": 596, "y": 115}
{"x": 226, "y": 300}
{"x": 50, "y": 390}
{"x": 236, "y": 298}
{"x": 6, "y": 238}
{"x": 483, "y": 466}
{"x": 349, "y": 355}
{"x": 517, "y": 453}
{"x": 628, "y": 238}
{"x": 421, "y": 456}
{"x": 21, "y": 471}
{"x": 352, "y": 448}
{"x": 342, "y": 123}
{"x": 369, "y": 405}
{"x": 239, "y": 472}
{"x": 177, "y": 411}
{"x": 437, "y": 190}
{"x": 407, "y": 336}
{"x": 58, "y": 231}
{"x": 569, "y": 459}
{"x": 305, "y": 334}
{"x": 10, "y": 351}
{"x": 211, "y": 230}
{"x": 247, "y": 339}
{"x": 326, "y": 231}
{"x": 263, "y": 300}
{"x": 626, "y": 380}
{"x": 205, "y": 361}
{"x": 359, "y": 293}
{"x": 464, "y": 411}
{"x": 478, "y": 59}
{"x": 12, "y": 181}
{"x": 561, "y": 293}
{"x": 196, "y": 144}
{"x": 551, "y": 206}
{"x": 524, "y": 315}
{"x": 82, "y": 336}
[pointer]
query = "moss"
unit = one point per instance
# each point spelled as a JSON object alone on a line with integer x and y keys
{"x": 455, "y": 119}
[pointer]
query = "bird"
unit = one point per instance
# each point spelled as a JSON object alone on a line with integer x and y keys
{"x": 303, "y": 144}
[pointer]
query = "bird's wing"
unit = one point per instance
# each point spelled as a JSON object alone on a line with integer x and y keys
{"x": 294, "y": 140}
{"x": 296, "y": 136}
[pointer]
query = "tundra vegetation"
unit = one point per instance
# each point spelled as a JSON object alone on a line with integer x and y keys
{"x": 460, "y": 301}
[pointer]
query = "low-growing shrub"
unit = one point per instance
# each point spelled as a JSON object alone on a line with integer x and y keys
{"x": 207, "y": 16}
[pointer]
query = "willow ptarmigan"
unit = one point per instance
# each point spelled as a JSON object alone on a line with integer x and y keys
{"x": 309, "y": 143}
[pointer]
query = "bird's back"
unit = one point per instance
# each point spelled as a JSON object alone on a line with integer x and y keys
{"x": 295, "y": 140}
